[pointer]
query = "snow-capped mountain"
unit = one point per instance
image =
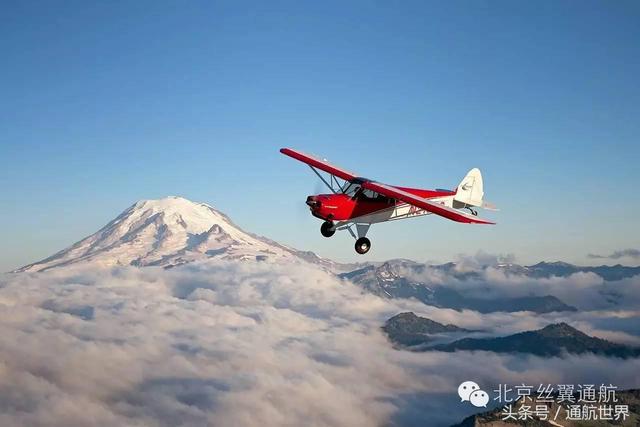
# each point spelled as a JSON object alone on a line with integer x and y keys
{"x": 169, "y": 232}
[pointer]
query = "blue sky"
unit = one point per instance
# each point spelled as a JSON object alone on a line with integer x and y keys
{"x": 105, "y": 103}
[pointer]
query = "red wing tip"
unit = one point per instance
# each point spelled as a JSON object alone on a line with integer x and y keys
{"x": 481, "y": 221}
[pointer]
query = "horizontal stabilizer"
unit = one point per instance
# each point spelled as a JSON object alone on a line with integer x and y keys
{"x": 489, "y": 206}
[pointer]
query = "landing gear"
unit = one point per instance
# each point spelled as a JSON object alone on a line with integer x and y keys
{"x": 326, "y": 229}
{"x": 473, "y": 211}
{"x": 363, "y": 245}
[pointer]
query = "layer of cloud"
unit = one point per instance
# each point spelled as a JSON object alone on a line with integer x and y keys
{"x": 482, "y": 259}
{"x": 624, "y": 253}
{"x": 247, "y": 344}
{"x": 586, "y": 291}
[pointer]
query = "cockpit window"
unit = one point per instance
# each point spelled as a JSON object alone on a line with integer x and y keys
{"x": 354, "y": 190}
{"x": 368, "y": 194}
{"x": 351, "y": 189}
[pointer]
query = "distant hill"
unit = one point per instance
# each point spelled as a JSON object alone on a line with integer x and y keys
{"x": 563, "y": 269}
{"x": 552, "y": 340}
{"x": 450, "y": 298}
{"x": 407, "y": 329}
{"x": 390, "y": 280}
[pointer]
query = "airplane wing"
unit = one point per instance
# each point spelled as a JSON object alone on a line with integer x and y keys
{"x": 320, "y": 164}
{"x": 433, "y": 207}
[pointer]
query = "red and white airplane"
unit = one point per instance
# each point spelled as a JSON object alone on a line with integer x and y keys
{"x": 361, "y": 202}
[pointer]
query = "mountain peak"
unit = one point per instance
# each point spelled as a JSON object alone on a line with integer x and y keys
{"x": 408, "y": 329}
{"x": 552, "y": 264}
{"x": 168, "y": 232}
{"x": 168, "y": 202}
{"x": 558, "y": 330}
{"x": 179, "y": 211}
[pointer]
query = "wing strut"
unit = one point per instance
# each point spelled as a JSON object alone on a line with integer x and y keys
{"x": 324, "y": 180}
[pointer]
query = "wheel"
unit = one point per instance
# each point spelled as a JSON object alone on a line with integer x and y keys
{"x": 363, "y": 245}
{"x": 325, "y": 229}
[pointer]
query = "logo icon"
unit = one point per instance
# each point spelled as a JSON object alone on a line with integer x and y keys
{"x": 470, "y": 391}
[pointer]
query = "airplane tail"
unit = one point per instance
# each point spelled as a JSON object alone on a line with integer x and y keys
{"x": 470, "y": 191}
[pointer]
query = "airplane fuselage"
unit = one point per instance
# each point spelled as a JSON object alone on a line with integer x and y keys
{"x": 359, "y": 208}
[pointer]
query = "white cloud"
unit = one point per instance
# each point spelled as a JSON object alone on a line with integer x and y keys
{"x": 249, "y": 344}
{"x": 623, "y": 253}
{"x": 586, "y": 291}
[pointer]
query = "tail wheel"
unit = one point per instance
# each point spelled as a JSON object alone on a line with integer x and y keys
{"x": 326, "y": 229}
{"x": 363, "y": 245}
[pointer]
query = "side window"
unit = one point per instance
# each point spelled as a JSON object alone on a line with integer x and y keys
{"x": 351, "y": 189}
{"x": 370, "y": 195}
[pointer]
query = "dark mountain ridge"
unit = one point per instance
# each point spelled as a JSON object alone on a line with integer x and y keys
{"x": 562, "y": 269}
{"x": 407, "y": 329}
{"x": 556, "y": 339}
{"x": 552, "y": 340}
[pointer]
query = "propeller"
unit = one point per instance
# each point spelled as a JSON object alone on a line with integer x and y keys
{"x": 318, "y": 188}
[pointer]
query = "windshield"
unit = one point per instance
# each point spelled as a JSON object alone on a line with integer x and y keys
{"x": 351, "y": 189}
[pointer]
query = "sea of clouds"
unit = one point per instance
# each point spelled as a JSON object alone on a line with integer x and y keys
{"x": 254, "y": 344}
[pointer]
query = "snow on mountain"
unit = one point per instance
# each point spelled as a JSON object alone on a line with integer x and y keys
{"x": 169, "y": 232}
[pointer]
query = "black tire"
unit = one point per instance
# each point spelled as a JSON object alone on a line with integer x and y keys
{"x": 325, "y": 229}
{"x": 363, "y": 245}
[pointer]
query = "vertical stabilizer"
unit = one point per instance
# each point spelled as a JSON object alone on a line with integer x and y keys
{"x": 470, "y": 191}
